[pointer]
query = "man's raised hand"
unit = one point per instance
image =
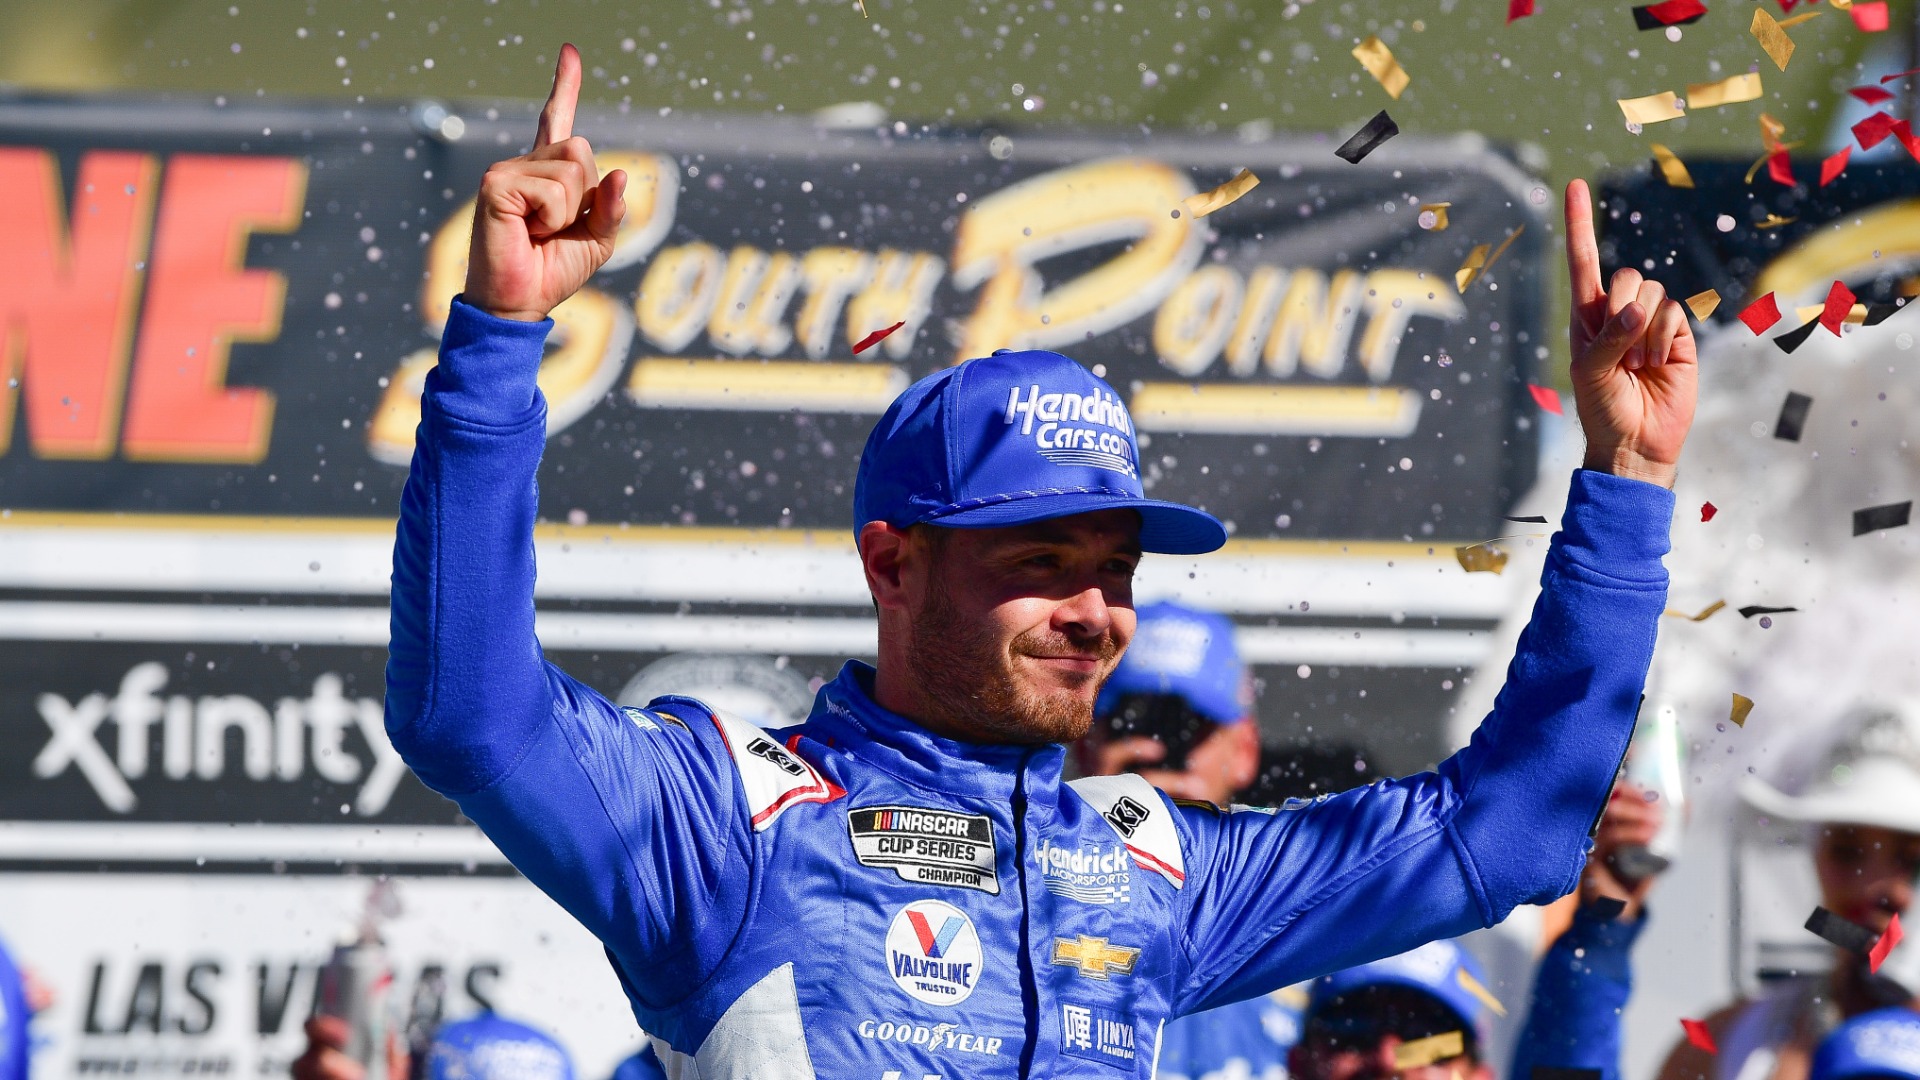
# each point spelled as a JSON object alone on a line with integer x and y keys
{"x": 1635, "y": 368}
{"x": 544, "y": 222}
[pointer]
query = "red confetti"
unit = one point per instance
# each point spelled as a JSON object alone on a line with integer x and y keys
{"x": 1698, "y": 1035}
{"x": 876, "y": 338}
{"x": 1903, "y": 131}
{"x": 1885, "y": 79}
{"x": 1761, "y": 314}
{"x": 1668, "y": 12}
{"x": 1874, "y": 130}
{"x": 1872, "y": 95}
{"x": 1518, "y": 9}
{"x": 1547, "y": 398}
{"x": 1786, "y": 6}
{"x": 1878, "y": 954}
{"x": 1831, "y": 168}
{"x": 1780, "y": 168}
{"x": 1871, "y": 18}
{"x": 1707, "y": 510}
{"x": 1839, "y": 302}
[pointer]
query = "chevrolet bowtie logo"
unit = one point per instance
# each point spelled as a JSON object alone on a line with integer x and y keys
{"x": 1094, "y": 957}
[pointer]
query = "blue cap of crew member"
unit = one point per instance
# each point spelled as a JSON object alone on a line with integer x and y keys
{"x": 1011, "y": 439}
{"x": 1185, "y": 652}
{"x": 490, "y": 1047}
{"x": 1881, "y": 1043}
{"x": 1440, "y": 969}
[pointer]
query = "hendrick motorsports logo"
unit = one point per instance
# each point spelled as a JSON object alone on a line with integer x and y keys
{"x": 933, "y": 952}
{"x": 933, "y": 847}
{"x": 1070, "y": 430}
{"x": 1095, "y": 874}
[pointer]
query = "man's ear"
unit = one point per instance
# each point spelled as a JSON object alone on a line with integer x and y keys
{"x": 884, "y": 554}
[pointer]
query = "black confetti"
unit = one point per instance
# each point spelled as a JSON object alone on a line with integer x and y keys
{"x": 1875, "y": 518}
{"x": 1643, "y": 18}
{"x": 1789, "y": 342}
{"x": 1530, "y": 519}
{"x": 1793, "y": 416}
{"x": 1751, "y": 610}
{"x": 1562, "y": 1072}
{"x": 1842, "y": 932}
{"x": 1879, "y": 313}
{"x": 1368, "y": 139}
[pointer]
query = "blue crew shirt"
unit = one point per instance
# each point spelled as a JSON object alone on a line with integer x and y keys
{"x": 1579, "y": 995}
{"x": 857, "y": 896}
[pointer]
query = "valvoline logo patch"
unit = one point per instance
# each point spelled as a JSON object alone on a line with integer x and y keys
{"x": 933, "y": 952}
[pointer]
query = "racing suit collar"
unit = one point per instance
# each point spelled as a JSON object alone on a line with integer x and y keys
{"x": 917, "y": 756}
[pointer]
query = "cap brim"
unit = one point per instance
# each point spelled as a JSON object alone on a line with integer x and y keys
{"x": 1166, "y": 528}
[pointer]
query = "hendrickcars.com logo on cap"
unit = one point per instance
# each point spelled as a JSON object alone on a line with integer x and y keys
{"x": 1076, "y": 429}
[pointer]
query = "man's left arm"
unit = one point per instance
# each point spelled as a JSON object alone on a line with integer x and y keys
{"x": 1275, "y": 899}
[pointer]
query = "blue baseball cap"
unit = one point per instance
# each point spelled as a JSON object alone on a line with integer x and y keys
{"x": 1885, "y": 1042}
{"x": 1185, "y": 652}
{"x": 490, "y": 1047}
{"x": 1440, "y": 969}
{"x": 1011, "y": 439}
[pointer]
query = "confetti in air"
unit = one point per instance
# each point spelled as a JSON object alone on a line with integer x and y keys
{"x": 1226, "y": 194}
{"x": 1368, "y": 139}
{"x": 876, "y": 337}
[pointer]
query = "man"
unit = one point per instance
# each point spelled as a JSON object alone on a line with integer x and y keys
{"x": 859, "y": 894}
{"x": 1360, "y": 1022}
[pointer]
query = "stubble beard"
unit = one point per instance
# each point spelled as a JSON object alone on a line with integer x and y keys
{"x": 969, "y": 682}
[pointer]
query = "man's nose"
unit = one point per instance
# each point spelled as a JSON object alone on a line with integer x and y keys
{"x": 1084, "y": 614}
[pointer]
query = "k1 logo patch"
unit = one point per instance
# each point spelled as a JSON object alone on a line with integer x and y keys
{"x": 933, "y": 953}
{"x": 929, "y": 847}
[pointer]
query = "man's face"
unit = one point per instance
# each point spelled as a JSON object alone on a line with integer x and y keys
{"x": 1866, "y": 873}
{"x": 1014, "y": 629}
{"x": 1357, "y": 1036}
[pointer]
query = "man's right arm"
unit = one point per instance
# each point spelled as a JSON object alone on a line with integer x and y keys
{"x": 630, "y": 820}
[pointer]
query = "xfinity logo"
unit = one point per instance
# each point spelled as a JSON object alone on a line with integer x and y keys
{"x": 1061, "y": 441}
{"x": 278, "y": 742}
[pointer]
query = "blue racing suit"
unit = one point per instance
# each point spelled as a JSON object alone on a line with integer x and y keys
{"x": 858, "y": 897}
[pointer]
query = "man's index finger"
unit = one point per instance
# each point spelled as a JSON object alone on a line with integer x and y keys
{"x": 556, "y": 119}
{"x": 1583, "y": 251}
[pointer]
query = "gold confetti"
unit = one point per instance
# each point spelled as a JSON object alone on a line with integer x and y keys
{"x": 1770, "y": 128}
{"x": 1439, "y": 212}
{"x": 1774, "y": 221}
{"x": 1652, "y": 109}
{"x": 1742, "y": 705}
{"x": 1702, "y": 304}
{"x": 1481, "y": 558}
{"x": 1773, "y": 40}
{"x": 1705, "y": 613}
{"x": 1841, "y": 5}
{"x": 1208, "y": 201}
{"x": 1374, "y": 55}
{"x": 1476, "y": 261}
{"x": 863, "y": 7}
{"x": 1671, "y": 167}
{"x": 1857, "y": 314}
{"x": 1729, "y": 91}
{"x": 1473, "y": 986}
{"x": 1786, "y": 24}
{"x": 1422, "y": 1052}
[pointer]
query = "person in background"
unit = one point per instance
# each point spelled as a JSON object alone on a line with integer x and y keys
{"x": 1178, "y": 710}
{"x": 1358, "y": 1020}
{"x": 1863, "y": 808}
{"x": 1585, "y": 978}
{"x": 483, "y": 1047}
{"x": 1880, "y": 1045}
